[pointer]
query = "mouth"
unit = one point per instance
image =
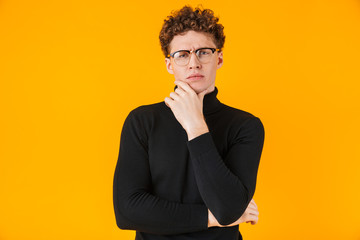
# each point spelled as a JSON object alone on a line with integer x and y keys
{"x": 195, "y": 77}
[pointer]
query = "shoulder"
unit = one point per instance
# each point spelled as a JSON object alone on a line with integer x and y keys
{"x": 145, "y": 115}
{"x": 145, "y": 111}
{"x": 140, "y": 120}
{"x": 240, "y": 117}
{"x": 242, "y": 123}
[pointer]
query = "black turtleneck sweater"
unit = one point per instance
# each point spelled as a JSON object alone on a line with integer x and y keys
{"x": 164, "y": 184}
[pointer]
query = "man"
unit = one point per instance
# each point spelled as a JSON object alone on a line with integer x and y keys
{"x": 187, "y": 166}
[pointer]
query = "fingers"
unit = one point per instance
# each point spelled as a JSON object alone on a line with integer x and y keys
{"x": 253, "y": 219}
{"x": 254, "y": 212}
{"x": 251, "y": 210}
{"x": 180, "y": 91}
{"x": 252, "y": 204}
{"x": 253, "y": 201}
{"x": 174, "y": 96}
{"x": 184, "y": 86}
{"x": 168, "y": 102}
{"x": 251, "y": 214}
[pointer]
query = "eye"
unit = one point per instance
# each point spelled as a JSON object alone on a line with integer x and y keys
{"x": 204, "y": 52}
{"x": 182, "y": 55}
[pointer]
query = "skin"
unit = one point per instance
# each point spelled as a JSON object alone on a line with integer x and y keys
{"x": 186, "y": 102}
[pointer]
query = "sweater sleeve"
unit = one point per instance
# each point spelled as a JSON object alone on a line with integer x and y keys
{"x": 136, "y": 208}
{"x": 227, "y": 185}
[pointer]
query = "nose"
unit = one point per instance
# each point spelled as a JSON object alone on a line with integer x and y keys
{"x": 194, "y": 61}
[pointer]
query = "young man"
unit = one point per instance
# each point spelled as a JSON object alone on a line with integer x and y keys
{"x": 187, "y": 166}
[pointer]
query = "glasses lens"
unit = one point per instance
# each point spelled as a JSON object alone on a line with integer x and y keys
{"x": 181, "y": 57}
{"x": 204, "y": 55}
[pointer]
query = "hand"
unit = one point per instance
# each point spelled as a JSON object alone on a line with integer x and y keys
{"x": 251, "y": 215}
{"x": 187, "y": 107}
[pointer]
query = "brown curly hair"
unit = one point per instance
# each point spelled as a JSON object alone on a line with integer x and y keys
{"x": 187, "y": 19}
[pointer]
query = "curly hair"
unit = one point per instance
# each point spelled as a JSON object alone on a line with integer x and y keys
{"x": 185, "y": 19}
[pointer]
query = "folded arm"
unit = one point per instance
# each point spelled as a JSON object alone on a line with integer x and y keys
{"x": 227, "y": 185}
{"x": 135, "y": 207}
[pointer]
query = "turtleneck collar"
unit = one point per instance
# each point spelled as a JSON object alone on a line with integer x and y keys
{"x": 211, "y": 103}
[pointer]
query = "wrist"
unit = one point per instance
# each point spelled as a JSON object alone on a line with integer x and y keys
{"x": 197, "y": 130}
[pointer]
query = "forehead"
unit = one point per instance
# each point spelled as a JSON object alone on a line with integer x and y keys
{"x": 191, "y": 40}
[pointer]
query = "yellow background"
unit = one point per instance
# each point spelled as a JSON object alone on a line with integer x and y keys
{"x": 70, "y": 72}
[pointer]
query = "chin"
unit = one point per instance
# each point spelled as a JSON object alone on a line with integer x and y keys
{"x": 197, "y": 89}
{"x": 195, "y": 85}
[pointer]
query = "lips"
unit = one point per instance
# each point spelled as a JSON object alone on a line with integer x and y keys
{"x": 195, "y": 76}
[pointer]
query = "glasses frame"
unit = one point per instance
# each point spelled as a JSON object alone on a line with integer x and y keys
{"x": 191, "y": 51}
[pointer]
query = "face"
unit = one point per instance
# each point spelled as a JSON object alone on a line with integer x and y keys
{"x": 192, "y": 40}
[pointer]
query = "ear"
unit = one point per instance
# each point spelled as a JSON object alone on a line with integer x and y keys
{"x": 220, "y": 60}
{"x": 169, "y": 67}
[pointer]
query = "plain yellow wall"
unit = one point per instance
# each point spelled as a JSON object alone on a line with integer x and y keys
{"x": 70, "y": 72}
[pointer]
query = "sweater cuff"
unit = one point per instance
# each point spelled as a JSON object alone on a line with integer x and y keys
{"x": 199, "y": 217}
{"x": 200, "y": 145}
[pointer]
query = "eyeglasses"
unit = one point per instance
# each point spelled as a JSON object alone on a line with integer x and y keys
{"x": 182, "y": 57}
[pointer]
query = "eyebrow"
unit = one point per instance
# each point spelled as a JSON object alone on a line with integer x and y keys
{"x": 194, "y": 49}
{"x": 171, "y": 53}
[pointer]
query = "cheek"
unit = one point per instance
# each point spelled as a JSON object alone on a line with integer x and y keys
{"x": 178, "y": 74}
{"x": 212, "y": 70}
